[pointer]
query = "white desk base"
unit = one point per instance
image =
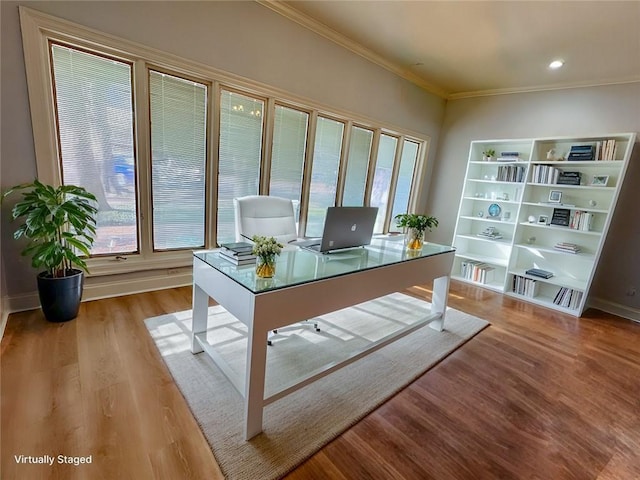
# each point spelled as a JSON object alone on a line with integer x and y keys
{"x": 270, "y": 310}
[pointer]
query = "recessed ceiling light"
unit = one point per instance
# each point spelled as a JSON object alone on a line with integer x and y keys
{"x": 556, "y": 64}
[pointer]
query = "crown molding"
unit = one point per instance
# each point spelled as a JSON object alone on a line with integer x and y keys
{"x": 541, "y": 88}
{"x": 338, "y": 38}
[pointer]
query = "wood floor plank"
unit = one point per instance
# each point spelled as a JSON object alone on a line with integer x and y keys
{"x": 537, "y": 395}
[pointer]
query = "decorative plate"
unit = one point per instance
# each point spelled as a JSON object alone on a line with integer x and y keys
{"x": 494, "y": 210}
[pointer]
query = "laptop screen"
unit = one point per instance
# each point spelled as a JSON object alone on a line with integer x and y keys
{"x": 346, "y": 227}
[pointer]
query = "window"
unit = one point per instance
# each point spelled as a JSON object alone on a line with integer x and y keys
{"x": 324, "y": 173}
{"x": 166, "y": 152}
{"x": 405, "y": 178}
{"x": 94, "y": 107}
{"x": 178, "y": 155}
{"x": 288, "y": 152}
{"x": 357, "y": 167}
{"x": 382, "y": 179}
{"x": 240, "y": 155}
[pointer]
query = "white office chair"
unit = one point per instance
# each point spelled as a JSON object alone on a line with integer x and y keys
{"x": 270, "y": 217}
{"x": 265, "y": 215}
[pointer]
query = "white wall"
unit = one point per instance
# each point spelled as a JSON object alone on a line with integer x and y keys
{"x": 243, "y": 38}
{"x": 581, "y": 111}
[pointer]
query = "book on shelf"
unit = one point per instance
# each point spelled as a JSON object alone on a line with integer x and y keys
{"x": 476, "y": 271}
{"x": 511, "y": 173}
{"x": 569, "y": 178}
{"x": 582, "y": 220}
{"x": 538, "y": 272}
{"x": 568, "y": 298}
{"x": 525, "y": 286}
{"x": 581, "y": 153}
{"x": 561, "y": 217}
{"x": 509, "y": 157}
{"x": 545, "y": 174}
{"x": 567, "y": 247}
{"x": 606, "y": 150}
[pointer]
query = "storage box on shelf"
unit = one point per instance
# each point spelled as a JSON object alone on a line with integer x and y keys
{"x": 560, "y": 197}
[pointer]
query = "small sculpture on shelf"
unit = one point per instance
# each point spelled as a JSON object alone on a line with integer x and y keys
{"x": 553, "y": 156}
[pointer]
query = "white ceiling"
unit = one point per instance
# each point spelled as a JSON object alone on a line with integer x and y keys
{"x": 464, "y": 48}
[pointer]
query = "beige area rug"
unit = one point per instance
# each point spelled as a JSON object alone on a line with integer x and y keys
{"x": 298, "y": 425}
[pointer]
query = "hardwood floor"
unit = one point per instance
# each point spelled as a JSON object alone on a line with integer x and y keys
{"x": 537, "y": 395}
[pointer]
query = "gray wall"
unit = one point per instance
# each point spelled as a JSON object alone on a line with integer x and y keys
{"x": 243, "y": 38}
{"x": 581, "y": 111}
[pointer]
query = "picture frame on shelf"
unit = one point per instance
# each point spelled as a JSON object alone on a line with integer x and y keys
{"x": 600, "y": 180}
{"x": 543, "y": 219}
{"x": 555, "y": 196}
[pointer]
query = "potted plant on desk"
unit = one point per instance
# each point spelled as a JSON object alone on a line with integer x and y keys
{"x": 60, "y": 225}
{"x": 414, "y": 226}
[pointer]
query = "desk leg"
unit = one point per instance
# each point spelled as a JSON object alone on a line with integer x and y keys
{"x": 439, "y": 301}
{"x": 254, "y": 389}
{"x": 199, "y": 321}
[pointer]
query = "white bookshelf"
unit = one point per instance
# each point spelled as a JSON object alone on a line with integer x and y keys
{"x": 524, "y": 196}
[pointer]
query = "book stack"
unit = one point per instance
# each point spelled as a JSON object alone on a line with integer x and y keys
{"x": 476, "y": 271}
{"x": 567, "y": 247}
{"x": 238, "y": 253}
{"x": 569, "y": 178}
{"x": 606, "y": 150}
{"x": 491, "y": 233}
{"x": 509, "y": 157}
{"x": 582, "y": 221}
{"x": 568, "y": 298}
{"x": 581, "y": 153}
{"x": 537, "y": 272}
{"x": 525, "y": 286}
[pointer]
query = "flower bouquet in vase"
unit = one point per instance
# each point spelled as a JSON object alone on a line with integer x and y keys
{"x": 266, "y": 250}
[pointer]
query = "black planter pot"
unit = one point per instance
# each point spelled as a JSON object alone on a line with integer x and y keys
{"x": 60, "y": 297}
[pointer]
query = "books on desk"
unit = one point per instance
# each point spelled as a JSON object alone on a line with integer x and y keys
{"x": 239, "y": 253}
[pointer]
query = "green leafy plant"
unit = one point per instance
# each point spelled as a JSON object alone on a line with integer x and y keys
{"x": 60, "y": 224}
{"x": 489, "y": 152}
{"x": 420, "y": 223}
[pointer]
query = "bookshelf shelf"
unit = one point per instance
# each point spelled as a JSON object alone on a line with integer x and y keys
{"x": 589, "y": 189}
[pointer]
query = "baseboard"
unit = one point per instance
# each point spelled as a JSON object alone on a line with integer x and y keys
{"x": 107, "y": 287}
{"x": 615, "y": 308}
{"x": 5, "y": 317}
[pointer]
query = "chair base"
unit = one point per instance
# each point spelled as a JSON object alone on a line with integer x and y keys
{"x": 306, "y": 322}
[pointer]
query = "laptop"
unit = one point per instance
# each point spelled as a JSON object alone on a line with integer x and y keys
{"x": 344, "y": 227}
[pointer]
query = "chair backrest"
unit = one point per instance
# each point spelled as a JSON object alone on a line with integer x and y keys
{"x": 265, "y": 215}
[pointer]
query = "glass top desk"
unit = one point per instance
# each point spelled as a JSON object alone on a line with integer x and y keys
{"x": 306, "y": 285}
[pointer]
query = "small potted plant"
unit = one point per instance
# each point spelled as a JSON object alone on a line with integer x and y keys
{"x": 266, "y": 249}
{"x": 489, "y": 155}
{"x": 60, "y": 224}
{"x": 414, "y": 226}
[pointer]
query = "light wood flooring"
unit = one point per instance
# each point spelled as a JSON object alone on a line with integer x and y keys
{"x": 537, "y": 395}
